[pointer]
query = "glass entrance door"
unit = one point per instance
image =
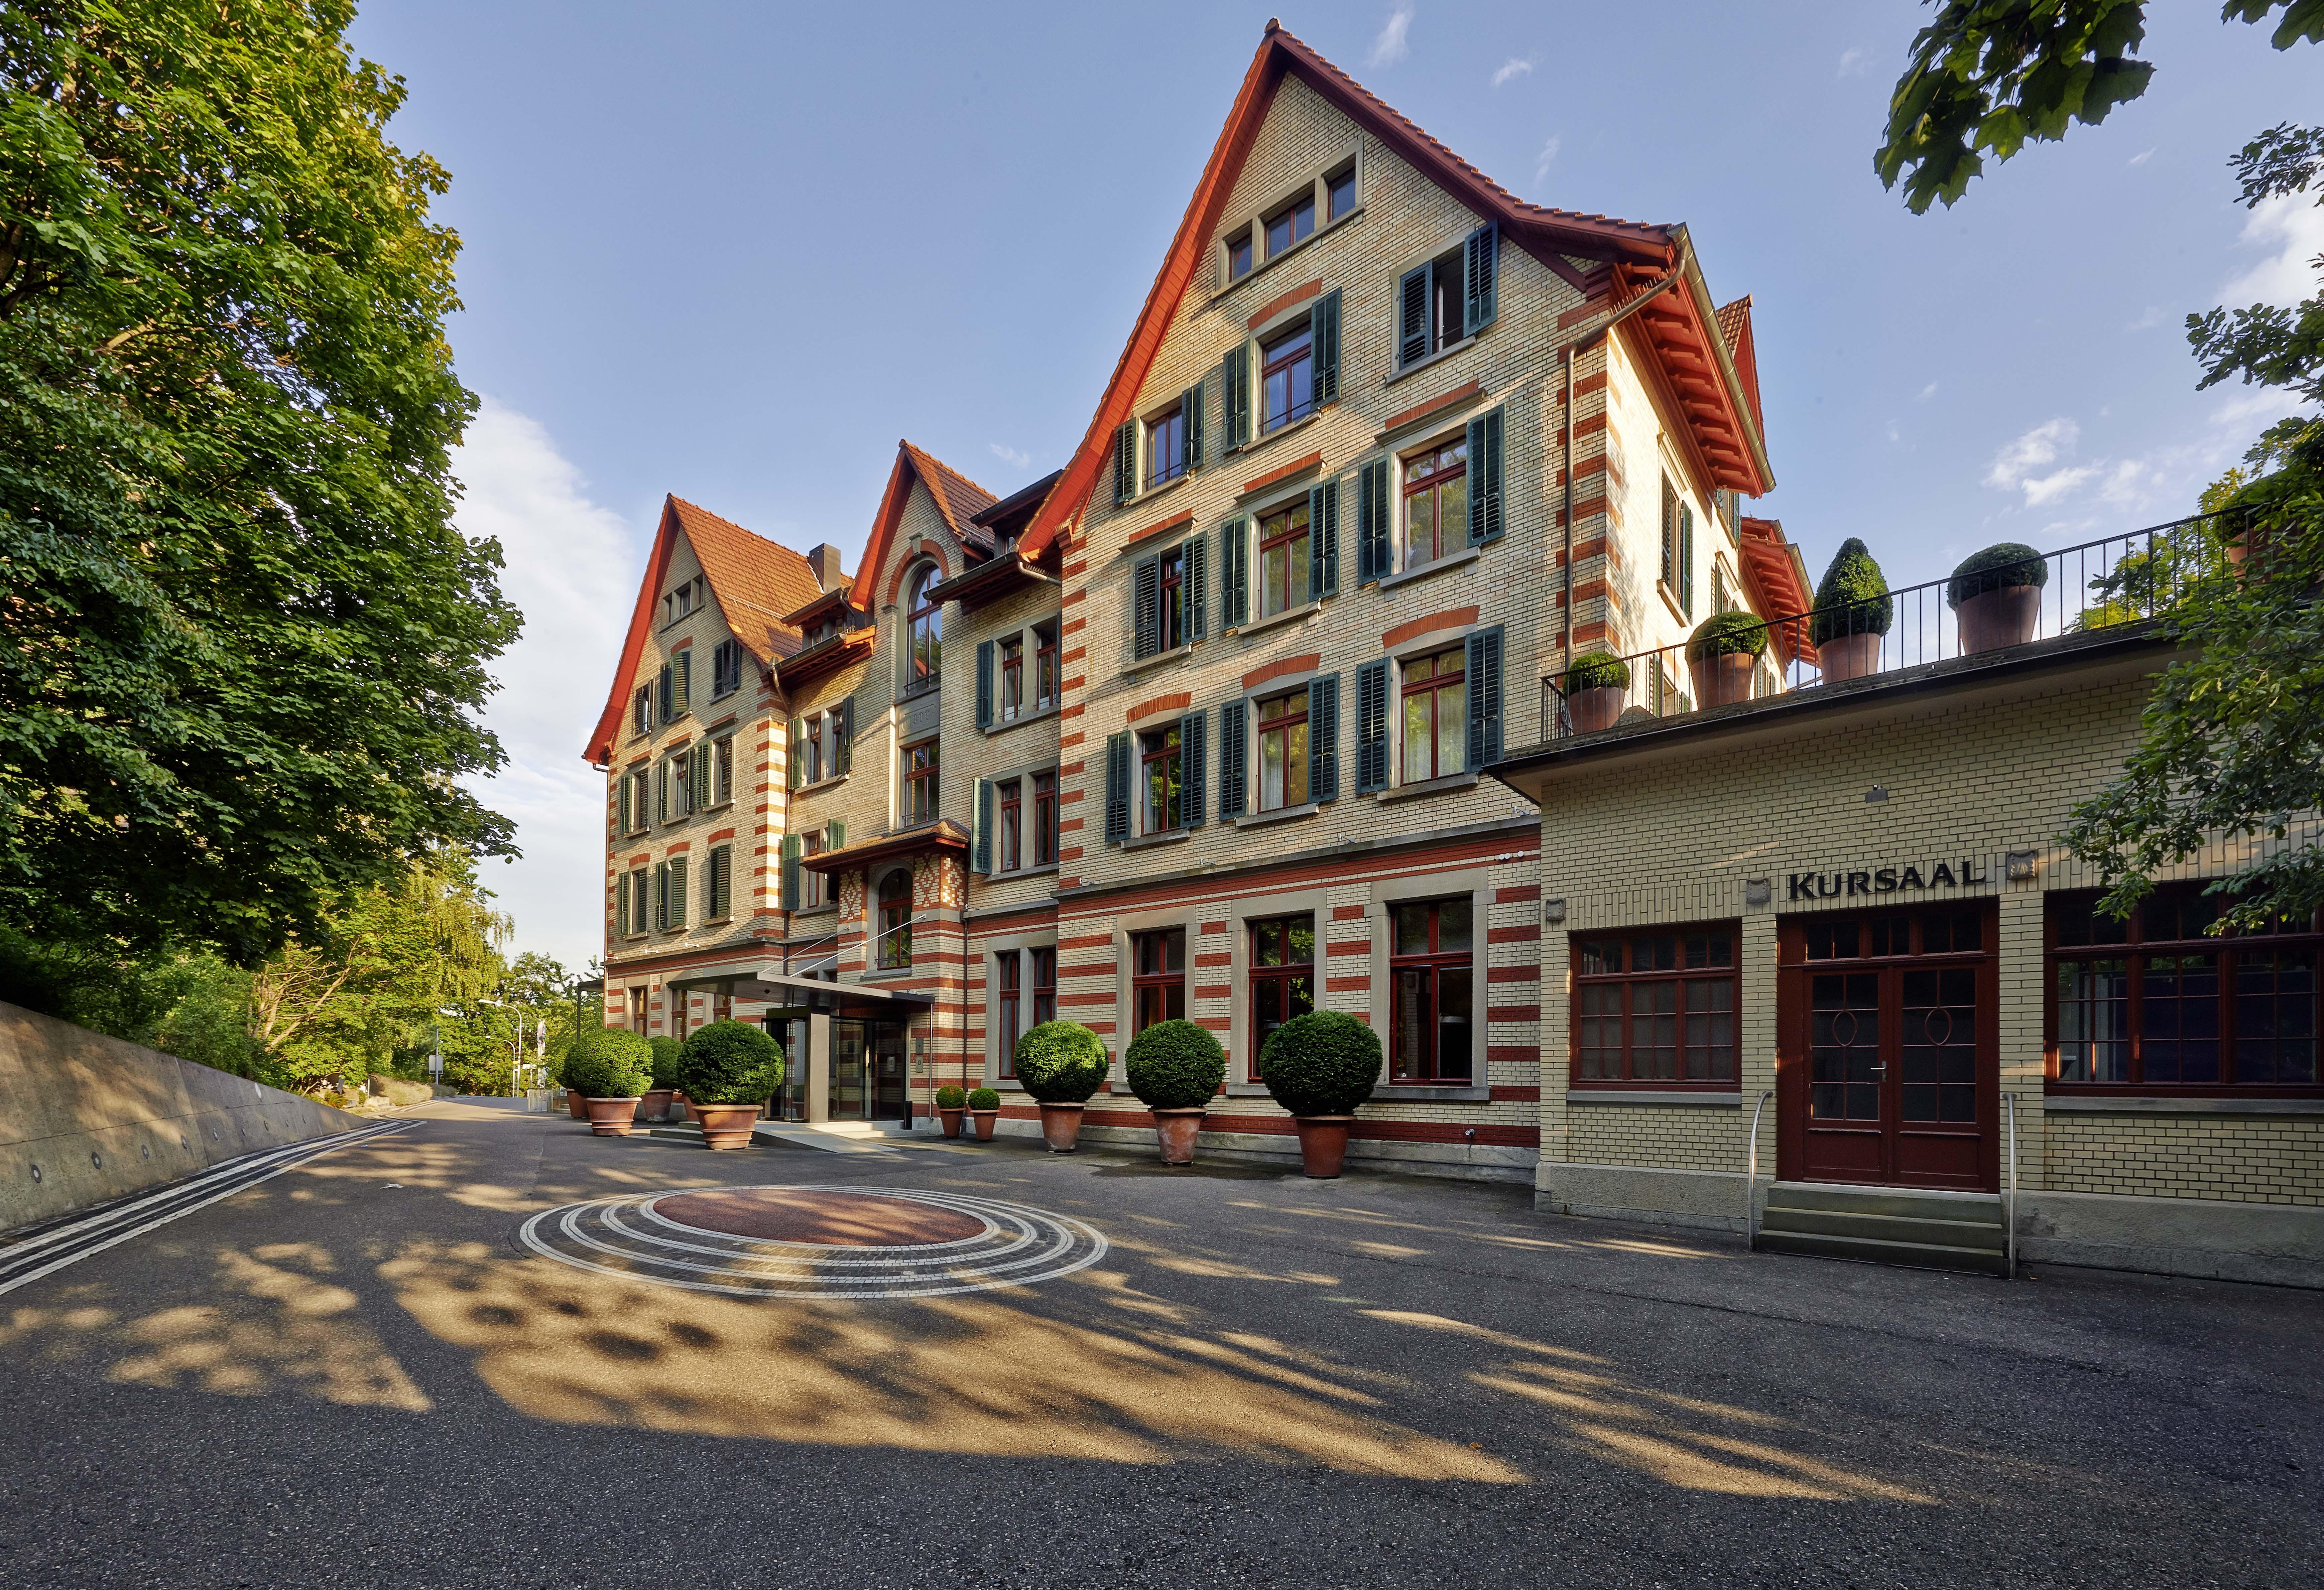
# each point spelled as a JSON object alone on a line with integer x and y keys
{"x": 888, "y": 1071}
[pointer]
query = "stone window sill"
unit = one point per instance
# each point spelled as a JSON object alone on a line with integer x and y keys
{"x": 1289, "y": 615}
{"x": 1708, "y": 1100}
{"x": 1390, "y": 1092}
{"x": 1041, "y": 871}
{"x": 1175, "y": 654}
{"x": 1434, "y": 359}
{"x": 1426, "y": 787}
{"x": 1437, "y": 565}
{"x": 1282, "y": 814}
{"x": 1147, "y": 842}
{"x": 1268, "y": 263}
{"x": 820, "y": 784}
{"x": 2081, "y": 1105}
{"x": 1149, "y": 493}
{"x": 1003, "y": 725}
{"x": 1276, "y": 435}
{"x": 890, "y": 975}
{"x": 1671, "y": 602}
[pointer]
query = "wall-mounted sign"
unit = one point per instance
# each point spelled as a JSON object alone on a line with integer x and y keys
{"x": 1883, "y": 880}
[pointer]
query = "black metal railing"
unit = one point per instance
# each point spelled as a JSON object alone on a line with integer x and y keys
{"x": 2116, "y": 579}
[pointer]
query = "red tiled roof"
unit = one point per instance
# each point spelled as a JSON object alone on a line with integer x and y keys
{"x": 1735, "y": 326}
{"x": 957, "y": 498}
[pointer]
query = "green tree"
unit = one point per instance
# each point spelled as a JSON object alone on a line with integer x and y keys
{"x": 246, "y": 645}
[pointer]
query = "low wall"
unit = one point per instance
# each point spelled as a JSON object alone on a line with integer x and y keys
{"x": 85, "y": 1118}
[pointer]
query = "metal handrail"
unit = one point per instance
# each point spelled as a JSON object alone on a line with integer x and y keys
{"x": 790, "y": 950}
{"x": 1751, "y": 1172}
{"x": 2009, "y": 1209}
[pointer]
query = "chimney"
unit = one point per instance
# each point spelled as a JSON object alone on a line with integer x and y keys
{"x": 830, "y": 572}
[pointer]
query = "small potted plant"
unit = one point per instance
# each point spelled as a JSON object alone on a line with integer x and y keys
{"x": 609, "y": 1068}
{"x": 1174, "y": 1068}
{"x": 1853, "y": 610}
{"x": 984, "y": 1106}
{"x": 1321, "y": 1067}
{"x": 951, "y": 1103}
{"x": 728, "y": 1069}
{"x": 666, "y": 1052}
{"x": 1996, "y": 595}
{"x": 1061, "y": 1063}
{"x": 574, "y": 1104}
{"x": 1595, "y": 686}
{"x": 1721, "y": 654}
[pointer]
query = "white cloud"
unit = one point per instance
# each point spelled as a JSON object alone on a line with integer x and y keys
{"x": 1392, "y": 46}
{"x": 1928, "y": 392}
{"x": 2016, "y": 467}
{"x": 571, "y": 567}
{"x": 1548, "y": 154}
{"x": 1009, "y": 454}
{"x": 2148, "y": 321}
{"x": 1512, "y": 67}
{"x": 1852, "y": 62}
{"x": 1895, "y": 435}
{"x": 2141, "y": 157}
{"x": 2293, "y": 227}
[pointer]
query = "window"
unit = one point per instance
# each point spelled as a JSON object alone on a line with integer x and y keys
{"x": 2157, "y": 1003}
{"x": 1719, "y": 602}
{"x": 1288, "y": 377}
{"x": 1045, "y": 666}
{"x": 1435, "y": 716}
{"x": 1431, "y": 1037}
{"x": 1045, "y": 819}
{"x": 1045, "y": 984}
{"x": 1162, "y": 781}
{"x": 1165, "y": 446}
{"x": 920, "y": 783}
{"x": 1012, "y": 677}
{"x": 1286, "y": 558}
{"x": 895, "y": 942}
{"x": 725, "y": 668}
{"x": 670, "y": 896}
{"x": 1282, "y": 978}
{"x": 1170, "y": 614}
{"x": 924, "y": 625}
{"x": 1011, "y": 825}
{"x": 1430, "y": 308}
{"x": 1295, "y": 223}
{"x": 685, "y": 598}
{"x": 723, "y": 780}
{"x": 819, "y": 631}
{"x": 1655, "y": 1008}
{"x": 1007, "y": 995}
{"x": 642, "y": 709}
{"x": 640, "y": 896}
{"x": 1238, "y": 255}
{"x": 1678, "y": 548}
{"x": 1283, "y": 751}
{"x": 1157, "y": 983}
{"x": 1342, "y": 194}
{"x": 673, "y": 798}
{"x": 718, "y": 884}
{"x": 1436, "y": 503}
{"x": 813, "y": 888}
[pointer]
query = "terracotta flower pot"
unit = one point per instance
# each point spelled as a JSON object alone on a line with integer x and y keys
{"x": 1595, "y": 709}
{"x": 1324, "y": 1143}
{"x": 1848, "y": 657}
{"x": 1722, "y": 680}
{"x": 1178, "y": 1129}
{"x": 951, "y": 1119}
{"x": 1061, "y": 1126}
{"x": 576, "y": 1104}
{"x": 1994, "y": 619}
{"x": 984, "y": 1120}
{"x": 613, "y": 1117}
{"x": 727, "y": 1126}
{"x": 655, "y": 1105}
{"x": 693, "y": 1111}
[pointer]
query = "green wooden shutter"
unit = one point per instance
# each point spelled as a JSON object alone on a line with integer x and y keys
{"x": 1232, "y": 748}
{"x": 1686, "y": 560}
{"x": 683, "y": 663}
{"x": 1371, "y": 726}
{"x": 1373, "y": 562}
{"x": 1117, "y": 788}
{"x": 1191, "y": 771}
{"x": 981, "y": 842}
{"x": 718, "y": 885}
{"x": 792, "y": 848}
{"x": 661, "y": 896}
{"x": 621, "y": 804}
{"x": 984, "y": 684}
{"x": 1485, "y": 516}
{"x": 1234, "y": 572}
{"x": 795, "y": 754}
{"x": 1325, "y": 325}
{"x": 1125, "y": 462}
{"x": 701, "y": 765}
{"x": 1323, "y": 738}
{"x": 1324, "y": 539}
{"x": 1480, "y": 298}
{"x": 677, "y": 895}
{"x": 1234, "y": 399}
{"x": 1193, "y": 450}
{"x": 664, "y": 706}
{"x": 622, "y": 905}
{"x": 1195, "y": 588}
{"x": 845, "y": 736}
{"x": 1484, "y": 681}
{"x": 661, "y": 792}
{"x": 1412, "y": 316}
{"x": 837, "y": 836}
{"x": 1146, "y": 606}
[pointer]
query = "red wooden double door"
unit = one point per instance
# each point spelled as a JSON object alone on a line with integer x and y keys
{"x": 1887, "y": 1059}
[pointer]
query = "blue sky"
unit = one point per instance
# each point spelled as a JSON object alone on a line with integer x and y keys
{"x": 736, "y": 252}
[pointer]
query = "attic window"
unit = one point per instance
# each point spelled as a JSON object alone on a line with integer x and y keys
{"x": 685, "y": 598}
{"x": 1238, "y": 255}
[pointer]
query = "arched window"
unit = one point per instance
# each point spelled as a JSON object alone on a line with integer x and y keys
{"x": 895, "y": 920}
{"x": 924, "y": 620}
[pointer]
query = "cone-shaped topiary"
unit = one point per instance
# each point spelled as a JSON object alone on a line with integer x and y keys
{"x": 1597, "y": 670}
{"x": 952, "y": 1097}
{"x": 1061, "y": 1062}
{"x": 730, "y": 1062}
{"x": 1727, "y": 634}
{"x": 608, "y": 1063}
{"x": 666, "y": 1052}
{"x": 1853, "y": 599}
{"x": 984, "y": 1098}
{"x": 1174, "y": 1065}
{"x": 1323, "y": 1063}
{"x": 2003, "y": 564}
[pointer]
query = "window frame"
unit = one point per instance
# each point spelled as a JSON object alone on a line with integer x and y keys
{"x": 1282, "y": 724}
{"x": 725, "y": 668}
{"x": 721, "y": 771}
{"x": 1433, "y": 688}
{"x": 1010, "y": 667}
{"x": 1163, "y": 981}
{"x": 814, "y": 888}
{"x": 922, "y": 768}
{"x": 1287, "y": 213}
{"x": 923, "y": 631}
{"x": 1008, "y": 826}
{"x": 1162, "y": 748}
{"x": 1045, "y": 664}
{"x": 1439, "y": 964}
{"x": 1449, "y": 537}
{"x": 1343, "y": 174}
{"x": 1297, "y": 540}
{"x": 1045, "y": 818}
{"x": 886, "y": 953}
{"x": 1169, "y": 599}
{"x": 1165, "y": 446}
{"x": 1272, "y": 363}
{"x": 1008, "y": 1011}
{"x": 1679, "y": 975}
{"x": 1241, "y": 243}
{"x": 1043, "y": 981}
{"x": 1258, "y": 974}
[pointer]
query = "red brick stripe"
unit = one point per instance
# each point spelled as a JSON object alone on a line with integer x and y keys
{"x": 1273, "y": 306}
{"x": 1452, "y": 618}
{"x": 1285, "y": 473}
{"x": 1177, "y": 703}
{"x": 1305, "y": 662}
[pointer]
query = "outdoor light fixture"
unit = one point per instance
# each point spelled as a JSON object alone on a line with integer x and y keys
{"x": 1553, "y": 911}
{"x": 2022, "y": 865}
{"x": 1758, "y": 891}
{"x": 1876, "y": 794}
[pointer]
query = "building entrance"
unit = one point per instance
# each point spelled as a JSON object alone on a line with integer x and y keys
{"x": 1888, "y": 1066}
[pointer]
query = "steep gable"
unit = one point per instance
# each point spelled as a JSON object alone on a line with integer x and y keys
{"x": 957, "y": 501}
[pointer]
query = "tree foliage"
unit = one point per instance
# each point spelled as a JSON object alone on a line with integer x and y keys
{"x": 247, "y": 646}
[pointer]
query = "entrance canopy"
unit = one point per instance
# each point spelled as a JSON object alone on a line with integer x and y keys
{"x": 795, "y": 997}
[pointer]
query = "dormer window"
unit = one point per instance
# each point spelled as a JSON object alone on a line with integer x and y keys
{"x": 686, "y": 598}
{"x": 821, "y": 630}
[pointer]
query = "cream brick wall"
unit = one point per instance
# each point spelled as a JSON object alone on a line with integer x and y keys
{"x": 2245, "y": 1159}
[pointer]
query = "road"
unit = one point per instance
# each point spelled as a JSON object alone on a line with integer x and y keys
{"x": 358, "y": 1374}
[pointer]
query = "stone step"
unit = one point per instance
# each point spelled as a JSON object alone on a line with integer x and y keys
{"x": 1911, "y": 1202}
{"x": 1979, "y": 1234}
{"x": 1918, "y": 1255}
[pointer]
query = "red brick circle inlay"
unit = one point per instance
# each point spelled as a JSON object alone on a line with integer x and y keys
{"x": 830, "y": 1219}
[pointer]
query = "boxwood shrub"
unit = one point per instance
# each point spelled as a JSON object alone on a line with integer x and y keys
{"x": 1597, "y": 670}
{"x": 1174, "y": 1065}
{"x": 1727, "y": 634}
{"x": 952, "y": 1097}
{"x": 984, "y": 1098}
{"x": 1323, "y": 1063}
{"x": 608, "y": 1063}
{"x": 1060, "y": 1062}
{"x": 730, "y": 1062}
{"x": 1999, "y": 565}
{"x": 1853, "y": 599}
{"x": 666, "y": 1052}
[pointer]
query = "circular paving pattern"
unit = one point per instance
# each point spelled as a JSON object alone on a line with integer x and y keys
{"x": 814, "y": 1241}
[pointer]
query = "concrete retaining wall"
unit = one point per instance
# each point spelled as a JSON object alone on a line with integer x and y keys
{"x": 85, "y": 1118}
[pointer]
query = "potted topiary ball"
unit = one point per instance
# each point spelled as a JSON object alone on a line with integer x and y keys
{"x": 1996, "y": 596}
{"x": 609, "y": 1068}
{"x": 1721, "y": 655}
{"x": 1321, "y": 1066}
{"x": 951, "y": 1103}
{"x": 984, "y": 1107}
{"x": 1594, "y": 688}
{"x": 1853, "y": 610}
{"x": 1174, "y": 1068}
{"x": 1061, "y": 1063}
{"x": 575, "y": 1103}
{"x": 729, "y": 1070}
{"x": 666, "y": 1052}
